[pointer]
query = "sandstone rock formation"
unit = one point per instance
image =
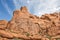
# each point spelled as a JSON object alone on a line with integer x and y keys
{"x": 25, "y": 26}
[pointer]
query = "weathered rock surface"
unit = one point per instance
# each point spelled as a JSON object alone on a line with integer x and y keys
{"x": 3, "y": 24}
{"x": 25, "y": 26}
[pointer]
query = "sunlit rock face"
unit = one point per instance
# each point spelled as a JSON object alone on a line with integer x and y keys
{"x": 3, "y": 24}
{"x": 25, "y": 26}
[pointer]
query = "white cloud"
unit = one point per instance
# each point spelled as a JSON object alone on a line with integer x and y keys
{"x": 39, "y": 6}
{"x": 6, "y": 7}
{"x": 28, "y": 1}
{"x": 16, "y": 3}
{"x": 46, "y": 6}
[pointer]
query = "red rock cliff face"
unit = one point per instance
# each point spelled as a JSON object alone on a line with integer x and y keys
{"x": 25, "y": 26}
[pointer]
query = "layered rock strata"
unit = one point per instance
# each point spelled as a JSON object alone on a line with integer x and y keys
{"x": 25, "y": 26}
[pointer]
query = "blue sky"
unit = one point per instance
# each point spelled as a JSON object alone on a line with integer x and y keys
{"x": 36, "y": 7}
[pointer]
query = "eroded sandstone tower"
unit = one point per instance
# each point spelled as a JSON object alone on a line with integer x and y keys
{"x": 25, "y": 26}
